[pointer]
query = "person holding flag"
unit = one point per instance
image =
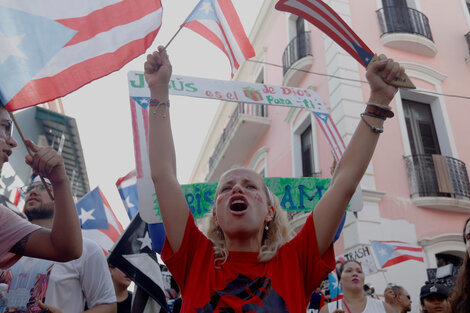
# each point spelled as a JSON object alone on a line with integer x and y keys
{"x": 63, "y": 241}
{"x": 247, "y": 262}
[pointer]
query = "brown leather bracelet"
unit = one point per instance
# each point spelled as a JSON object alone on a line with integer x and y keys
{"x": 379, "y": 112}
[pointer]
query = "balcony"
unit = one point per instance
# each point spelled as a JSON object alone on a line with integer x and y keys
{"x": 406, "y": 29}
{"x": 296, "y": 58}
{"x": 246, "y": 127}
{"x": 439, "y": 182}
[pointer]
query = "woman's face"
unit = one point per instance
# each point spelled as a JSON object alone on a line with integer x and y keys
{"x": 241, "y": 204}
{"x": 352, "y": 276}
{"x": 467, "y": 237}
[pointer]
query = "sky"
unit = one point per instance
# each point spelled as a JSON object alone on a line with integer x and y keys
{"x": 102, "y": 108}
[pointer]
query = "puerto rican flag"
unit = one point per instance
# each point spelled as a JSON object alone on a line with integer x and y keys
{"x": 97, "y": 220}
{"x": 322, "y": 16}
{"x": 49, "y": 48}
{"x": 145, "y": 187}
{"x": 331, "y": 133}
{"x": 127, "y": 187}
{"x": 218, "y": 22}
{"x": 336, "y": 291}
{"x": 389, "y": 253}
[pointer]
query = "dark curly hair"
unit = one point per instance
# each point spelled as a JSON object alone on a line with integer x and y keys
{"x": 460, "y": 297}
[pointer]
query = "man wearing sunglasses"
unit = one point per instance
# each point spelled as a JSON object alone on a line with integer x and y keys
{"x": 18, "y": 237}
{"x": 401, "y": 301}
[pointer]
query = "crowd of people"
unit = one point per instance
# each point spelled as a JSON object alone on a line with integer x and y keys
{"x": 246, "y": 262}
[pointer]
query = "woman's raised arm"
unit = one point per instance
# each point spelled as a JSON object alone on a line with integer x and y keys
{"x": 173, "y": 207}
{"x": 329, "y": 211}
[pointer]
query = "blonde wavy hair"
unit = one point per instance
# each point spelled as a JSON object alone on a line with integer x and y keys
{"x": 274, "y": 237}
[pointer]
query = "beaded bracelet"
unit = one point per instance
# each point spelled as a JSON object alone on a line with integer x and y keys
{"x": 155, "y": 103}
{"x": 375, "y": 129}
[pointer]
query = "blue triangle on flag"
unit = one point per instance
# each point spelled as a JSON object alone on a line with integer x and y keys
{"x": 366, "y": 56}
{"x": 142, "y": 101}
{"x": 28, "y": 42}
{"x": 322, "y": 116}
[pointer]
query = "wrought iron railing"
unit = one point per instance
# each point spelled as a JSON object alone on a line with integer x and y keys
{"x": 423, "y": 177}
{"x": 251, "y": 109}
{"x": 298, "y": 48}
{"x": 403, "y": 20}
{"x": 467, "y": 36}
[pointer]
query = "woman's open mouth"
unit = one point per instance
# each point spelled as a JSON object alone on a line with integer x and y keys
{"x": 238, "y": 206}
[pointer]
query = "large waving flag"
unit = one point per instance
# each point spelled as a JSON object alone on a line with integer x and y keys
{"x": 218, "y": 22}
{"x": 49, "y": 48}
{"x": 322, "y": 16}
{"x": 97, "y": 220}
{"x": 390, "y": 253}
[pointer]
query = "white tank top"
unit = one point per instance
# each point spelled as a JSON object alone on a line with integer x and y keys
{"x": 372, "y": 306}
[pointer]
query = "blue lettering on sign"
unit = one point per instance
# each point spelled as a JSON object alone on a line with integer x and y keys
{"x": 303, "y": 193}
{"x": 287, "y": 199}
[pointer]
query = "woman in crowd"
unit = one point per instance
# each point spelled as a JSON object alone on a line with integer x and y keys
{"x": 460, "y": 297}
{"x": 246, "y": 262}
{"x": 355, "y": 300}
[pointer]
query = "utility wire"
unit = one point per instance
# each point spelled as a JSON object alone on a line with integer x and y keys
{"x": 351, "y": 79}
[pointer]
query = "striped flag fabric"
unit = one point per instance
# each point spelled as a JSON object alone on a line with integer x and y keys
{"x": 145, "y": 188}
{"x": 389, "y": 253}
{"x": 97, "y": 220}
{"x": 322, "y": 16}
{"x": 54, "y": 47}
{"x": 218, "y": 22}
{"x": 331, "y": 133}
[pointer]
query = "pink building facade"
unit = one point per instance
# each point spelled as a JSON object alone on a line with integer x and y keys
{"x": 416, "y": 189}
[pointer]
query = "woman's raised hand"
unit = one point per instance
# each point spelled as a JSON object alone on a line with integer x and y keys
{"x": 380, "y": 74}
{"x": 157, "y": 69}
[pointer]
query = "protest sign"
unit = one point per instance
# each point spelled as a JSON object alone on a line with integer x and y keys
{"x": 363, "y": 255}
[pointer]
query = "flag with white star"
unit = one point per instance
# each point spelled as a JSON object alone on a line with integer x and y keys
{"x": 389, "y": 253}
{"x": 50, "y": 48}
{"x": 134, "y": 256}
{"x": 218, "y": 22}
{"x": 97, "y": 219}
{"x": 336, "y": 291}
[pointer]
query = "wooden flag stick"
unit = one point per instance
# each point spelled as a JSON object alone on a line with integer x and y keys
{"x": 30, "y": 153}
{"x": 166, "y": 46}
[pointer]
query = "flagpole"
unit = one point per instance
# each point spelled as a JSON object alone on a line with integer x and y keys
{"x": 166, "y": 46}
{"x": 30, "y": 152}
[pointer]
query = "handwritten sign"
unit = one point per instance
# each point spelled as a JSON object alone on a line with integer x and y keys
{"x": 362, "y": 255}
{"x": 295, "y": 194}
{"x": 234, "y": 91}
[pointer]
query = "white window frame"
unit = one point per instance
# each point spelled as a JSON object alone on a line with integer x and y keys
{"x": 437, "y": 103}
{"x": 450, "y": 243}
{"x": 259, "y": 161}
{"x": 298, "y": 126}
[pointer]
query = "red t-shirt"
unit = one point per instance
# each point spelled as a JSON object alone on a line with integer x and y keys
{"x": 242, "y": 284}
